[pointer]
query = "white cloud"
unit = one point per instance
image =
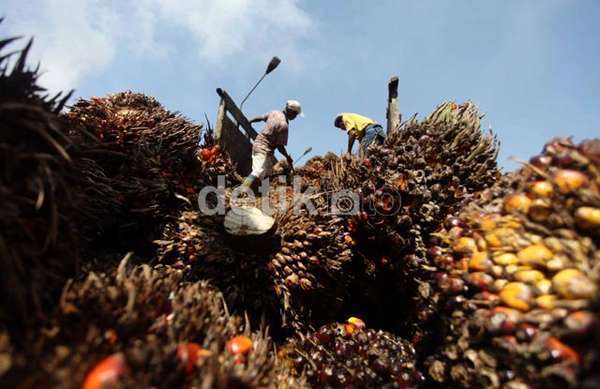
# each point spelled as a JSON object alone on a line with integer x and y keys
{"x": 71, "y": 39}
{"x": 76, "y": 39}
{"x": 223, "y": 28}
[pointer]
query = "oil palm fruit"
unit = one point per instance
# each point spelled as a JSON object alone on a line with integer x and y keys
{"x": 540, "y": 230}
{"x": 332, "y": 356}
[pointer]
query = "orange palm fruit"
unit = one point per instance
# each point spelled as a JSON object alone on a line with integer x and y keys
{"x": 588, "y": 217}
{"x": 465, "y": 245}
{"x": 542, "y": 189}
{"x": 349, "y": 329}
{"x": 239, "y": 345}
{"x": 536, "y": 254}
{"x": 573, "y": 284}
{"x": 518, "y": 202}
{"x": 506, "y": 259}
{"x": 569, "y": 180}
{"x": 480, "y": 262}
{"x": 517, "y": 295}
{"x": 488, "y": 222}
{"x": 546, "y": 301}
{"x": 529, "y": 276}
{"x": 107, "y": 372}
{"x": 544, "y": 286}
{"x": 561, "y": 351}
{"x": 355, "y": 321}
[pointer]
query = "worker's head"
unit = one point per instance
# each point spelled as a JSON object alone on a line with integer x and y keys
{"x": 338, "y": 122}
{"x": 293, "y": 109}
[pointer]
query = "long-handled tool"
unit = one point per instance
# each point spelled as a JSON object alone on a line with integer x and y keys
{"x": 275, "y": 61}
{"x": 292, "y": 169}
{"x": 308, "y": 150}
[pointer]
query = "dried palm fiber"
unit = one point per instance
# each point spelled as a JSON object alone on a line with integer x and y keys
{"x": 143, "y": 164}
{"x": 352, "y": 355}
{"x": 151, "y": 319}
{"x": 317, "y": 171}
{"x": 38, "y": 195}
{"x": 519, "y": 276}
{"x": 405, "y": 189}
{"x": 200, "y": 242}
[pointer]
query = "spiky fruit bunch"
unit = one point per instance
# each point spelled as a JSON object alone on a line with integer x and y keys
{"x": 311, "y": 270}
{"x": 40, "y": 194}
{"x": 198, "y": 241}
{"x": 405, "y": 189}
{"x": 142, "y": 164}
{"x": 530, "y": 264}
{"x": 423, "y": 172}
{"x": 351, "y": 355}
{"x": 318, "y": 171}
{"x": 161, "y": 141}
{"x": 146, "y": 327}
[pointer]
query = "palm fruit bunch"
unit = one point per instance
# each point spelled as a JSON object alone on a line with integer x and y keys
{"x": 165, "y": 140}
{"x": 317, "y": 171}
{"x": 421, "y": 174}
{"x": 519, "y": 278}
{"x": 198, "y": 242}
{"x": 39, "y": 194}
{"x": 142, "y": 165}
{"x": 311, "y": 269}
{"x": 405, "y": 189}
{"x": 146, "y": 327}
{"x": 350, "y": 355}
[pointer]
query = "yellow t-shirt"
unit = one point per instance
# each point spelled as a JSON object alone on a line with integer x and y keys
{"x": 355, "y": 124}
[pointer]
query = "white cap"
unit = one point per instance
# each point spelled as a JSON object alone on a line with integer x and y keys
{"x": 294, "y": 105}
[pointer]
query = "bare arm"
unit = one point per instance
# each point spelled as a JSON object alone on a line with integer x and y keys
{"x": 351, "y": 139}
{"x": 262, "y": 118}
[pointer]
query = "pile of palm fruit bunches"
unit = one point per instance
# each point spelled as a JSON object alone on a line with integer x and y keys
{"x": 518, "y": 286}
{"x": 434, "y": 269}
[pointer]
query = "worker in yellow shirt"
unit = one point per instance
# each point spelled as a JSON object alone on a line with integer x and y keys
{"x": 366, "y": 130}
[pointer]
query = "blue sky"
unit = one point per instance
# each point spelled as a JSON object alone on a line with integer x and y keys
{"x": 533, "y": 67}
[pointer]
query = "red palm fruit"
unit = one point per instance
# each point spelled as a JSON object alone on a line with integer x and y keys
{"x": 190, "y": 354}
{"x": 541, "y": 161}
{"x": 581, "y": 322}
{"x": 561, "y": 351}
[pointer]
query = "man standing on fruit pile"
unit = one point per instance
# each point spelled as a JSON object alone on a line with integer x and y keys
{"x": 273, "y": 136}
{"x": 366, "y": 130}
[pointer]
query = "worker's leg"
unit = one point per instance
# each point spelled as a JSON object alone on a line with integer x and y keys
{"x": 258, "y": 169}
{"x": 381, "y": 135}
{"x": 268, "y": 166}
{"x": 367, "y": 139}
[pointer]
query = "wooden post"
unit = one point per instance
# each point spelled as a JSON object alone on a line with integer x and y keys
{"x": 393, "y": 112}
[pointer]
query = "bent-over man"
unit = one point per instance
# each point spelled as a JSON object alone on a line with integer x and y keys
{"x": 366, "y": 130}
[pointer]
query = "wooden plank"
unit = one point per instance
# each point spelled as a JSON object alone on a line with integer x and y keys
{"x": 237, "y": 114}
{"x": 393, "y": 112}
{"x": 236, "y": 144}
